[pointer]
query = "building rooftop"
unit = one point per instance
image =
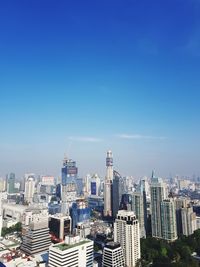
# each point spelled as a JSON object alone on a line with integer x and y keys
{"x": 64, "y": 246}
{"x": 112, "y": 245}
{"x": 59, "y": 216}
{"x": 15, "y": 207}
{"x": 125, "y": 213}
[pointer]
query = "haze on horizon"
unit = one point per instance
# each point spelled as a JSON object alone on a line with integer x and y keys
{"x": 82, "y": 77}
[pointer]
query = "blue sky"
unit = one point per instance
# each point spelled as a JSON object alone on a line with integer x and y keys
{"x": 80, "y": 77}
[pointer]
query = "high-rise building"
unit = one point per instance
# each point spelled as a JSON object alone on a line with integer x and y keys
{"x": 2, "y": 184}
{"x": 24, "y": 179}
{"x": 74, "y": 252}
{"x": 188, "y": 221}
{"x": 86, "y": 186}
{"x": 168, "y": 220}
{"x": 179, "y": 204}
{"x": 138, "y": 208}
{"x": 95, "y": 184}
{"x": 69, "y": 186}
{"x": 69, "y": 171}
{"x": 59, "y": 226}
{"x": 108, "y": 185}
{"x": 127, "y": 233}
{"x": 128, "y": 183}
{"x": 11, "y": 183}
{"x": 158, "y": 194}
{"x": 116, "y": 193}
{"x": 126, "y": 202}
{"x": 35, "y": 232}
{"x": 79, "y": 212}
{"x": 79, "y": 186}
{"x": 58, "y": 190}
{"x": 47, "y": 180}
{"x": 29, "y": 190}
{"x": 183, "y": 184}
{"x": 144, "y": 188}
{"x": 113, "y": 255}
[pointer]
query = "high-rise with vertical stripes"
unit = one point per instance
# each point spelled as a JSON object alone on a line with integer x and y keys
{"x": 158, "y": 194}
{"x": 127, "y": 233}
{"x": 168, "y": 220}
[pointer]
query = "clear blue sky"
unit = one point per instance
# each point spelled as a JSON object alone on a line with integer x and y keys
{"x": 81, "y": 77}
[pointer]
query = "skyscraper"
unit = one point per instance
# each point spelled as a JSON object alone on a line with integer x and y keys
{"x": 108, "y": 185}
{"x": 113, "y": 255}
{"x": 188, "y": 221}
{"x": 158, "y": 194}
{"x": 138, "y": 208}
{"x": 126, "y": 202}
{"x": 179, "y": 204}
{"x": 29, "y": 190}
{"x": 168, "y": 220}
{"x": 144, "y": 188}
{"x": 127, "y": 233}
{"x": 87, "y": 185}
{"x": 69, "y": 171}
{"x": 2, "y": 184}
{"x": 116, "y": 193}
{"x": 95, "y": 184}
{"x": 11, "y": 183}
{"x": 69, "y": 186}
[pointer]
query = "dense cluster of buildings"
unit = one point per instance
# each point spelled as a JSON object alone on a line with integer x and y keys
{"x": 91, "y": 221}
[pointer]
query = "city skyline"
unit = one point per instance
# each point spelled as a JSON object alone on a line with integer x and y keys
{"x": 82, "y": 78}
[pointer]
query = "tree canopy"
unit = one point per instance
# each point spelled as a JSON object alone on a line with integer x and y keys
{"x": 158, "y": 253}
{"x": 15, "y": 228}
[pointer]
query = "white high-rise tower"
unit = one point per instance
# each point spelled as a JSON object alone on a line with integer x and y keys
{"x": 188, "y": 218}
{"x": 29, "y": 189}
{"x": 108, "y": 184}
{"x": 127, "y": 233}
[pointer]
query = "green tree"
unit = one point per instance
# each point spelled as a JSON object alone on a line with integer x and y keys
{"x": 185, "y": 253}
{"x": 96, "y": 248}
{"x": 164, "y": 251}
{"x": 15, "y": 228}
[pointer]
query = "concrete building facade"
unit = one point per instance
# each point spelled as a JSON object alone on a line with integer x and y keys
{"x": 74, "y": 252}
{"x": 113, "y": 255}
{"x": 127, "y": 233}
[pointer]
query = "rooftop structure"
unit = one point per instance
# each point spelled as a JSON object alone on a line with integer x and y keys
{"x": 75, "y": 251}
